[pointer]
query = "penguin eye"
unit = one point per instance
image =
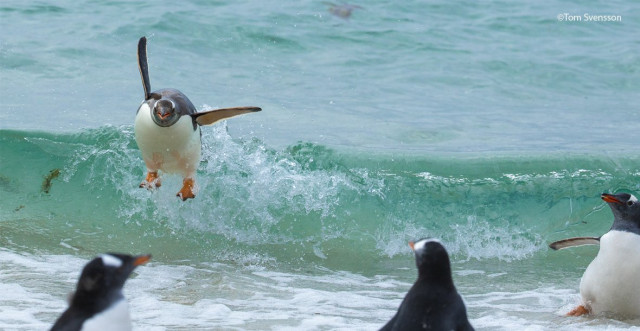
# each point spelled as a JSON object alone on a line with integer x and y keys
{"x": 629, "y": 203}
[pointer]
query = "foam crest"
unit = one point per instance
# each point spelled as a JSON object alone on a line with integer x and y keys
{"x": 481, "y": 240}
{"x": 477, "y": 239}
{"x": 305, "y": 200}
{"x": 247, "y": 192}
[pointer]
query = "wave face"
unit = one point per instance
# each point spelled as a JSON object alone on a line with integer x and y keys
{"x": 304, "y": 203}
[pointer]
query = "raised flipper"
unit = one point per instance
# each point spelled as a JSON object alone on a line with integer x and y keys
{"x": 212, "y": 116}
{"x": 144, "y": 67}
{"x": 578, "y": 241}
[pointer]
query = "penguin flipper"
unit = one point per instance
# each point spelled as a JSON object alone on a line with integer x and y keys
{"x": 577, "y": 241}
{"x": 212, "y": 116}
{"x": 144, "y": 67}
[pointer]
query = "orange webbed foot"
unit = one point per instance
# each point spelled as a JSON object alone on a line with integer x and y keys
{"x": 152, "y": 181}
{"x": 187, "y": 189}
{"x": 579, "y": 311}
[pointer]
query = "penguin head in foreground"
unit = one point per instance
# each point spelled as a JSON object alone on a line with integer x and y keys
{"x": 623, "y": 205}
{"x": 100, "y": 288}
{"x": 107, "y": 274}
{"x": 432, "y": 259}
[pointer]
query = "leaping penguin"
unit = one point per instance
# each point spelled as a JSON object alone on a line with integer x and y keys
{"x": 432, "y": 303}
{"x": 98, "y": 303}
{"x": 167, "y": 130}
{"x": 610, "y": 282}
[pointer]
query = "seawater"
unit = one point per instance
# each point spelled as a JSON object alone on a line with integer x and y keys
{"x": 493, "y": 126}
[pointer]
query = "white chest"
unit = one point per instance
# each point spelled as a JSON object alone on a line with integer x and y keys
{"x": 610, "y": 283}
{"x": 172, "y": 149}
{"x": 115, "y": 318}
{"x": 151, "y": 136}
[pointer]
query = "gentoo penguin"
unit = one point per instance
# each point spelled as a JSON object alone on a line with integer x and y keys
{"x": 432, "y": 302}
{"x": 98, "y": 303}
{"x": 167, "y": 130}
{"x": 610, "y": 283}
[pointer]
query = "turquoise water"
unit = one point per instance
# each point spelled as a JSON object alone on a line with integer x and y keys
{"x": 493, "y": 126}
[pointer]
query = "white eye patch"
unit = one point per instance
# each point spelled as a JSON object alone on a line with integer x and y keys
{"x": 173, "y": 105}
{"x": 633, "y": 198}
{"x": 418, "y": 246}
{"x": 111, "y": 261}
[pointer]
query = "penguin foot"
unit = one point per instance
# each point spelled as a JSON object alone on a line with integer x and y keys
{"x": 187, "y": 189}
{"x": 579, "y": 311}
{"x": 152, "y": 181}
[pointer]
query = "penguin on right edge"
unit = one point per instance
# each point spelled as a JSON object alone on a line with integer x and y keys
{"x": 432, "y": 303}
{"x": 98, "y": 303}
{"x": 610, "y": 282}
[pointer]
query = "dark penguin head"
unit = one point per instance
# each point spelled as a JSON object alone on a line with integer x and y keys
{"x": 100, "y": 286}
{"x": 432, "y": 303}
{"x": 626, "y": 211}
{"x": 107, "y": 273}
{"x": 167, "y": 105}
{"x": 164, "y": 112}
{"x": 432, "y": 261}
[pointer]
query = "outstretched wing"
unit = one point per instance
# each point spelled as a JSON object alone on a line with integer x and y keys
{"x": 578, "y": 241}
{"x": 212, "y": 116}
{"x": 143, "y": 66}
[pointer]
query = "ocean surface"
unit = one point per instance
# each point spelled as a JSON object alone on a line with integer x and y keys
{"x": 492, "y": 125}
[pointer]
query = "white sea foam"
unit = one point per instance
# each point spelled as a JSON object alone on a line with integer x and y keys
{"x": 477, "y": 239}
{"x": 481, "y": 240}
{"x": 215, "y": 296}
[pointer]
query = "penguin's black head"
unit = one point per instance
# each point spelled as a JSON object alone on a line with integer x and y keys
{"x": 624, "y": 206}
{"x": 164, "y": 112}
{"x": 108, "y": 272}
{"x": 432, "y": 259}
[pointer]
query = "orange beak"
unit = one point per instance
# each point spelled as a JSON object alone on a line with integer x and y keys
{"x": 163, "y": 116}
{"x": 411, "y": 243}
{"x": 142, "y": 259}
{"x": 610, "y": 198}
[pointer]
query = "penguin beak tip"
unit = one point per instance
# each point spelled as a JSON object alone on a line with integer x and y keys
{"x": 142, "y": 259}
